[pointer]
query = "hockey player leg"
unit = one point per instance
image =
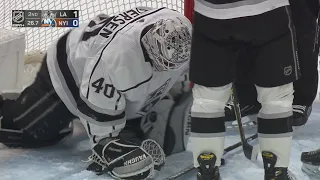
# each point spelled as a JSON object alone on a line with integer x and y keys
{"x": 207, "y": 127}
{"x": 307, "y": 29}
{"x": 275, "y": 130}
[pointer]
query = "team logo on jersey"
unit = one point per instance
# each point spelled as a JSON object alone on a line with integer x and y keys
{"x": 154, "y": 98}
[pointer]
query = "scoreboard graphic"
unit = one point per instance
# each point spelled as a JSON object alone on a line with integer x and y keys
{"x": 45, "y": 18}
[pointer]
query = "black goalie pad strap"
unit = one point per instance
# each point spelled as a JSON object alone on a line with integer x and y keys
{"x": 11, "y": 138}
{"x": 20, "y": 139}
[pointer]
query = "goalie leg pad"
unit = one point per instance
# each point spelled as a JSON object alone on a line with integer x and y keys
{"x": 275, "y": 121}
{"x": 169, "y": 124}
{"x": 38, "y": 113}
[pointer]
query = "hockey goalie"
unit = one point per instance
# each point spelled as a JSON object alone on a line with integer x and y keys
{"x": 121, "y": 76}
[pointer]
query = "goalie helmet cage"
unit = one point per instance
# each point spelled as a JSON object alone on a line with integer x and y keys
{"x": 39, "y": 38}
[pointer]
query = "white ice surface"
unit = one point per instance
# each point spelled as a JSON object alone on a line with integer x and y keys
{"x": 63, "y": 161}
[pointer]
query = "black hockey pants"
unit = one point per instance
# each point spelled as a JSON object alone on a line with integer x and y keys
{"x": 308, "y": 49}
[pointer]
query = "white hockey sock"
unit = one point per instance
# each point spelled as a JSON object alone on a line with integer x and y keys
{"x": 279, "y": 144}
{"x": 207, "y": 145}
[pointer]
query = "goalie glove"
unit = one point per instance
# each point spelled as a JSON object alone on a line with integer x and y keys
{"x": 126, "y": 160}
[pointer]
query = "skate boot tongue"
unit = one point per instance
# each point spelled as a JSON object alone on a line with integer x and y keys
{"x": 207, "y": 169}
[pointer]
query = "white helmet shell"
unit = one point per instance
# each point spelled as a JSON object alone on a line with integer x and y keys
{"x": 168, "y": 43}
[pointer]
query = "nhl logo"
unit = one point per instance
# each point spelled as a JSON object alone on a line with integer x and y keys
{"x": 287, "y": 70}
{"x": 17, "y": 16}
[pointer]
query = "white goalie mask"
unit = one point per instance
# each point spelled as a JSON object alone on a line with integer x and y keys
{"x": 168, "y": 43}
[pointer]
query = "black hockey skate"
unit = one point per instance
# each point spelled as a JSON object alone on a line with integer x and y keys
{"x": 301, "y": 114}
{"x": 311, "y": 163}
{"x": 207, "y": 169}
{"x": 272, "y": 172}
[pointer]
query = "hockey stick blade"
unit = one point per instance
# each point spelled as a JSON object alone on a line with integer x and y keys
{"x": 226, "y": 150}
{"x": 250, "y": 152}
{"x": 232, "y": 147}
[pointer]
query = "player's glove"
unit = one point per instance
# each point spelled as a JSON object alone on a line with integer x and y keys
{"x": 126, "y": 160}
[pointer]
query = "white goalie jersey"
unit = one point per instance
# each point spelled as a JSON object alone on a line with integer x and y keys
{"x": 102, "y": 73}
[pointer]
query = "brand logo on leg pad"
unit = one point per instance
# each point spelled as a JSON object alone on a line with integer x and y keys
{"x": 114, "y": 149}
{"x": 135, "y": 160}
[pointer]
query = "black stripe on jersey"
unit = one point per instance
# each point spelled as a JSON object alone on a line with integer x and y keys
{"x": 116, "y": 106}
{"x": 90, "y": 133}
{"x": 114, "y": 35}
{"x": 88, "y": 34}
{"x": 294, "y": 43}
{"x": 125, "y": 90}
{"x": 145, "y": 53}
{"x": 85, "y": 109}
{"x": 223, "y": 1}
{"x": 64, "y": 67}
{"x": 74, "y": 89}
{"x": 92, "y": 23}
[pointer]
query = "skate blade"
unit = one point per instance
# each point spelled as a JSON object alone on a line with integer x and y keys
{"x": 312, "y": 171}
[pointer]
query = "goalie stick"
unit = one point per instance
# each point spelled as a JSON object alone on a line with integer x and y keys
{"x": 251, "y": 152}
{"x": 226, "y": 150}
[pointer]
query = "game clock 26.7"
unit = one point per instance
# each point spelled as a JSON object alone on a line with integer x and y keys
{"x": 32, "y": 23}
